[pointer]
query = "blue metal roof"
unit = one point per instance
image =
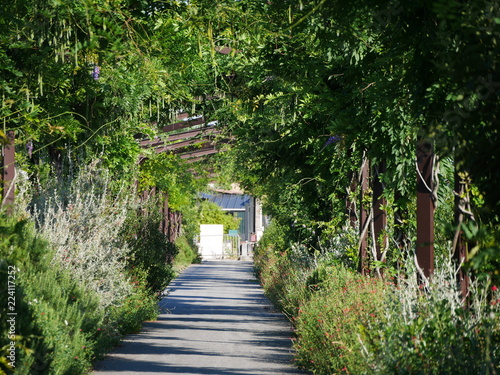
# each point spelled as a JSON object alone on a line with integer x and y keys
{"x": 229, "y": 202}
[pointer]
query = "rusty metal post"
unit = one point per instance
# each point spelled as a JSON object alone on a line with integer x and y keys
{"x": 379, "y": 212}
{"x": 363, "y": 217}
{"x": 425, "y": 208}
{"x": 9, "y": 172}
{"x": 460, "y": 243}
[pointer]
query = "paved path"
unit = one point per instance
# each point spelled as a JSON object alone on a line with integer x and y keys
{"x": 216, "y": 320}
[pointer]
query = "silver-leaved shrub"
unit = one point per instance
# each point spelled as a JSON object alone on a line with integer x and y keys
{"x": 82, "y": 219}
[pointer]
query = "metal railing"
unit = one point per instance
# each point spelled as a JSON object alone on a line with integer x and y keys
{"x": 230, "y": 246}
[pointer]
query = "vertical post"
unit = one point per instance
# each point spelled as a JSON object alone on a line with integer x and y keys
{"x": 165, "y": 214}
{"x": 425, "y": 208}
{"x": 9, "y": 171}
{"x": 171, "y": 226}
{"x": 379, "y": 214}
{"x": 363, "y": 217}
{"x": 350, "y": 204}
{"x": 179, "y": 225}
{"x": 460, "y": 243}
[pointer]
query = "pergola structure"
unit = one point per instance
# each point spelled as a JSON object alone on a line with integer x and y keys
{"x": 193, "y": 140}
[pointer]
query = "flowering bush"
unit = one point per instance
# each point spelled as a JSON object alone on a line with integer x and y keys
{"x": 331, "y": 326}
{"x": 353, "y": 324}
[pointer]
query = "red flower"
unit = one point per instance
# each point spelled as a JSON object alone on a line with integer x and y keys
{"x": 494, "y": 288}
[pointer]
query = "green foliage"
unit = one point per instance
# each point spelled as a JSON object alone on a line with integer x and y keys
{"x": 433, "y": 332}
{"x": 308, "y": 89}
{"x": 188, "y": 253}
{"x": 349, "y": 323}
{"x": 80, "y": 79}
{"x": 343, "y": 310}
{"x": 151, "y": 256}
{"x": 82, "y": 219}
{"x": 315, "y": 85}
{"x": 438, "y": 341}
{"x": 170, "y": 174}
{"x": 139, "y": 306}
{"x": 88, "y": 274}
{"x": 55, "y": 315}
{"x": 211, "y": 213}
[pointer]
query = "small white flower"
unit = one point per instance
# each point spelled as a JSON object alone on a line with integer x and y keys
{"x": 35, "y": 300}
{"x": 66, "y": 322}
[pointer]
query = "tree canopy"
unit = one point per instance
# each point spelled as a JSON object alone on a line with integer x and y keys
{"x": 314, "y": 86}
{"x": 305, "y": 90}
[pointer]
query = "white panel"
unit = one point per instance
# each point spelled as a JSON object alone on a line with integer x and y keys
{"x": 211, "y": 241}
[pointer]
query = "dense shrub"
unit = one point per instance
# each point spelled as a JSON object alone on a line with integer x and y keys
{"x": 90, "y": 270}
{"x": 55, "y": 315}
{"x": 331, "y": 326}
{"x": 188, "y": 253}
{"x": 151, "y": 254}
{"x": 435, "y": 332}
{"x": 353, "y": 324}
{"x": 82, "y": 219}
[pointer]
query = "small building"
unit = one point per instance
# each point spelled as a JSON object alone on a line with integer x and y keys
{"x": 249, "y": 210}
{"x": 244, "y": 207}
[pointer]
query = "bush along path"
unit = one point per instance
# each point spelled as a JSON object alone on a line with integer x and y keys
{"x": 349, "y": 323}
{"x": 83, "y": 266}
{"x": 215, "y": 320}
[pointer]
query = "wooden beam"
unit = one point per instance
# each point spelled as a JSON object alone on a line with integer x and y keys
{"x": 363, "y": 267}
{"x": 182, "y": 144}
{"x": 201, "y": 152}
{"x": 202, "y": 132}
{"x": 183, "y": 124}
{"x": 425, "y": 208}
{"x": 9, "y": 171}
